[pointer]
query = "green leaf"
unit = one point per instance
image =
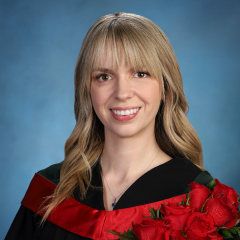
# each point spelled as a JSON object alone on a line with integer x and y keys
{"x": 204, "y": 204}
{"x": 130, "y": 233}
{"x": 152, "y": 212}
{"x": 237, "y": 230}
{"x": 212, "y": 184}
{"x": 115, "y": 233}
{"x": 157, "y": 212}
{"x": 184, "y": 235}
{"x": 226, "y": 233}
{"x": 238, "y": 220}
{"x": 182, "y": 203}
{"x": 232, "y": 230}
{"x": 187, "y": 198}
{"x": 133, "y": 235}
{"x": 120, "y": 235}
{"x": 219, "y": 228}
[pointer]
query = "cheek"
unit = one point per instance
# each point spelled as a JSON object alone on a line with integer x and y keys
{"x": 94, "y": 97}
{"x": 152, "y": 94}
{"x": 99, "y": 98}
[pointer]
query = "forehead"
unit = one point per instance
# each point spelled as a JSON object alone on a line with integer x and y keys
{"x": 112, "y": 56}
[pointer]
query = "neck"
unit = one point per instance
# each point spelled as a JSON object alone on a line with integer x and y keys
{"x": 128, "y": 157}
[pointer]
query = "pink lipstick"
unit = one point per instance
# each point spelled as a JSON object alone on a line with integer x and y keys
{"x": 124, "y": 118}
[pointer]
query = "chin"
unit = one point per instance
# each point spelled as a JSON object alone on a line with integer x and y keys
{"x": 126, "y": 133}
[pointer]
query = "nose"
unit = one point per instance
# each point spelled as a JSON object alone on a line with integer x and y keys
{"x": 123, "y": 88}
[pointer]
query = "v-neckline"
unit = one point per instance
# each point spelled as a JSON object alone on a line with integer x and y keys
{"x": 161, "y": 182}
{"x": 131, "y": 186}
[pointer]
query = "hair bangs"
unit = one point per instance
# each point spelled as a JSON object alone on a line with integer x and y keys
{"x": 121, "y": 43}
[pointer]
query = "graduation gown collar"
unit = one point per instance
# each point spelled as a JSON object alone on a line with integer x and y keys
{"x": 81, "y": 219}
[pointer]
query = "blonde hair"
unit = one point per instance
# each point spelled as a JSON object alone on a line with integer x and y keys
{"x": 142, "y": 43}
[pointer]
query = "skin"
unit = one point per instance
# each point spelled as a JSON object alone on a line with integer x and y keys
{"x": 133, "y": 141}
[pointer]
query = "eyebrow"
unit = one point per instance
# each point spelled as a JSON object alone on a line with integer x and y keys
{"x": 102, "y": 70}
{"x": 108, "y": 70}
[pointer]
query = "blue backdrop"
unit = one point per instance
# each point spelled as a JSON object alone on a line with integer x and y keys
{"x": 40, "y": 41}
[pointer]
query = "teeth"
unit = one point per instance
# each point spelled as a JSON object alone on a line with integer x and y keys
{"x": 127, "y": 112}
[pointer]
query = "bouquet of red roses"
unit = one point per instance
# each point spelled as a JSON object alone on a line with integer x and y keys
{"x": 206, "y": 213}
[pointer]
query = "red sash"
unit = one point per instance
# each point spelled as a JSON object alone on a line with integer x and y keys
{"x": 83, "y": 220}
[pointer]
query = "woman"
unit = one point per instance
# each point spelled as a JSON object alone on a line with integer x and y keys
{"x": 132, "y": 144}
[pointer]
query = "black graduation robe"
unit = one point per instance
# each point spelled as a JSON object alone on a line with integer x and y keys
{"x": 162, "y": 182}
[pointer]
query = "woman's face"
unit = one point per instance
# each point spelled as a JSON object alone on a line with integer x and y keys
{"x": 125, "y": 89}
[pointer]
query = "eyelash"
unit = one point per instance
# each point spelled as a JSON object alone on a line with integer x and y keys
{"x": 104, "y": 74}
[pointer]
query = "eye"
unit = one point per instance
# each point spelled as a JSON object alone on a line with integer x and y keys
{"x": 141, "y": 74}
{"x": 103, "y": 77}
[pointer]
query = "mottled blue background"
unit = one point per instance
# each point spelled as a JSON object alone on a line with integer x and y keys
{"x": 40, "y": 41}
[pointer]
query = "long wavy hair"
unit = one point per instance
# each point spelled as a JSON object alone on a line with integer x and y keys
{"x": 142, "y": 43}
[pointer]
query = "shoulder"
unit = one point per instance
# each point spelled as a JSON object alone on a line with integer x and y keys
{"x": 188, "y": 171}
{"x": 52, "y": 173}
{"x": 181, "y": 166}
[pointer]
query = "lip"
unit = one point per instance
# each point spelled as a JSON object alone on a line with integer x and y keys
{"x": 124, "y": 118}
{"x": 124, "y": 108}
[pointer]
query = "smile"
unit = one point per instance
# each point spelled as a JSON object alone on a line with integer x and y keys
{"x": 126, "y": 112}
{"x": 125, "y": 115}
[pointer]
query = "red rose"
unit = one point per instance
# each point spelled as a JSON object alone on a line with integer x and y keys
{"x": 223, "y": 206}
{"x": 215, "y": 236}
{"x": 177, "y": 215}
{"x": 174, "y": 235}
{"x": 151, "y": 229}
{"x": 230, "y": 195}
{"x": 198, "y": 195}
{"x": 200, "y": 226}
{"x": 220, "y": 212}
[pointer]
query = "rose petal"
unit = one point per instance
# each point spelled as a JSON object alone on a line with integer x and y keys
{"x": 198, "y": 195}
{"x": 175, "y": 235}
{"x": 148, "y": 221}
{"x": 220, "y": 188}
{"x": 191, "y": 235}
{"x": 179, "y": 220}
{"x": 215, "y": 236}
{"x": 221, "y": 214}
{"x": 149, "y": 232}
{"x": 232, "y": 195}
{"x": 200, "y": 225}
{"x": 225, "y": 190}
{"x": 145, "y": 231}
{"x": 174, "y": 208}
